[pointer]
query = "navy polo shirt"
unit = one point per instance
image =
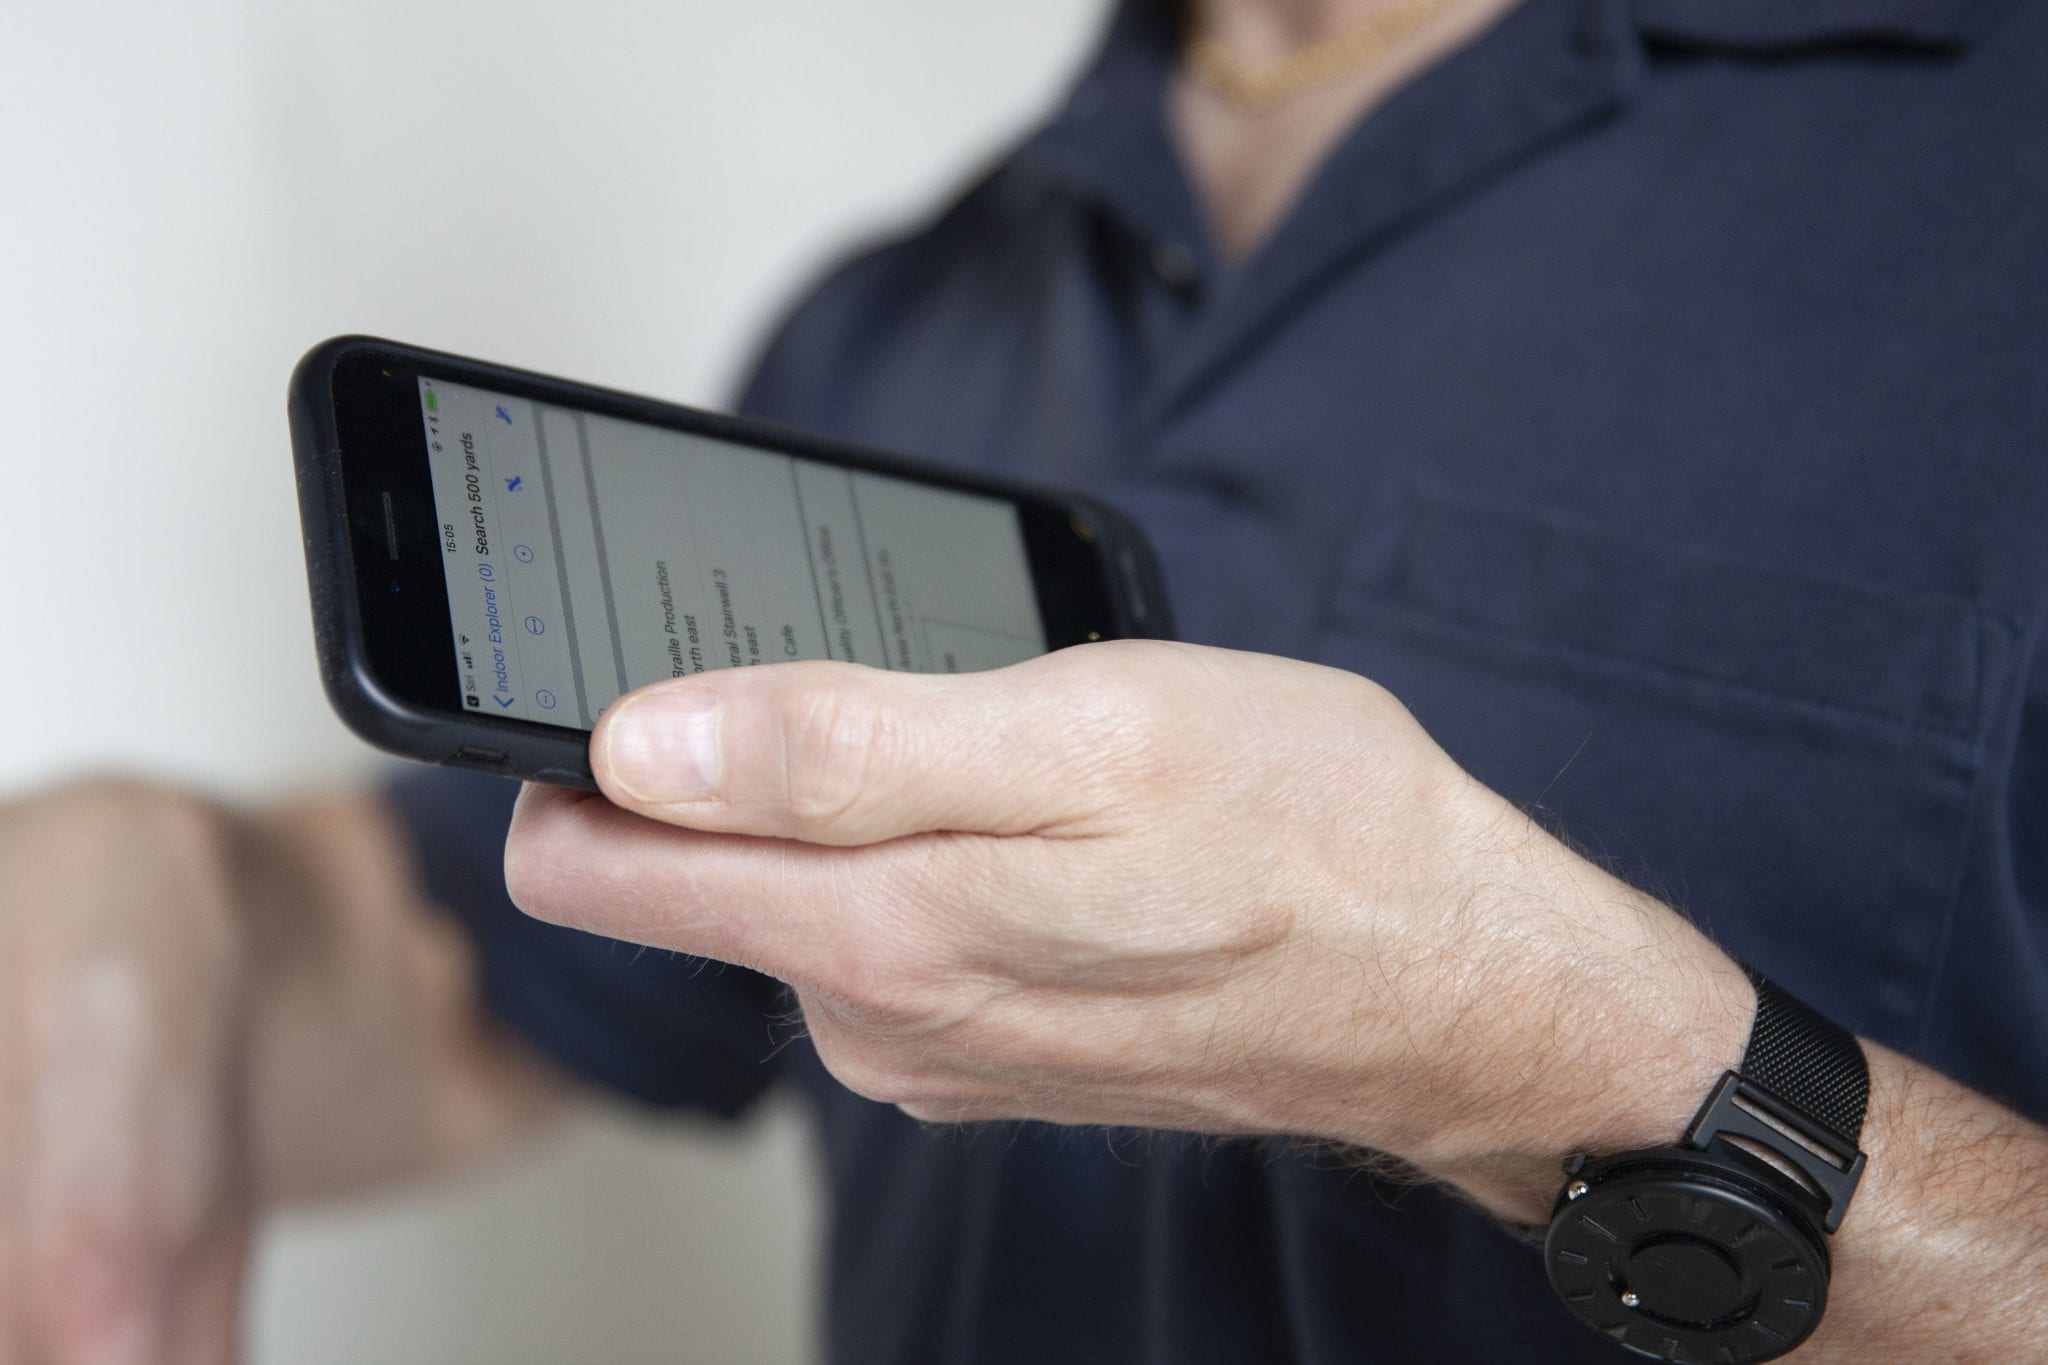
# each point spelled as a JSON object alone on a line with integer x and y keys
{"x": 1654, "y": 397}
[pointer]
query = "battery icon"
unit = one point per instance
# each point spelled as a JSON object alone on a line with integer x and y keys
{"x": 433, "y": 405}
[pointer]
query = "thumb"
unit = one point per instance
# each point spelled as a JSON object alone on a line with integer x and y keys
{"x": 836, "y": 753}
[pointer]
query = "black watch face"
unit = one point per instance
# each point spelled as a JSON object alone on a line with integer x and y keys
{"x": 1678, "y": 1259}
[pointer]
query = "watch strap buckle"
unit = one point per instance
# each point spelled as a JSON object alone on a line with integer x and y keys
{"x": 1740, "y": 1108}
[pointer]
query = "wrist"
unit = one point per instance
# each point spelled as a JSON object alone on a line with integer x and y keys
{"x": 1623, "y": 1018}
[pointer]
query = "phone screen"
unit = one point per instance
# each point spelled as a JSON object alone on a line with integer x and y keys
{"x": 587, "y": 555}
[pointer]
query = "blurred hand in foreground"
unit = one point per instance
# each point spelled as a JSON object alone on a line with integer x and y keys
{"x": 126, "y": 1179}
{"x": 204, "y": 1013}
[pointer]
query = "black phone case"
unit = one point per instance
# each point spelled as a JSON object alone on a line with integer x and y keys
{"x": 547, "y": 753}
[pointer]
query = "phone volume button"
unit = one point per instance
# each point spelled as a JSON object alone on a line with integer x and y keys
{"x": 476, "y": 756}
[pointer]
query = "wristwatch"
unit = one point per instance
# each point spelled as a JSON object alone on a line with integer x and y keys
{"x": 1716, "y": 1249}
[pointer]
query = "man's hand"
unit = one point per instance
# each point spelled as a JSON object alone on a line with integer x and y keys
{"x": 125, "y": 1176}
{"x": 1154, "y": 884}
{"x": 202, "y": 1013}
{"x": 1141, "y": 883}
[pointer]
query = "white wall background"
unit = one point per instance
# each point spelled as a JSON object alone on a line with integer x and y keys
{"x": 617, "y": 190}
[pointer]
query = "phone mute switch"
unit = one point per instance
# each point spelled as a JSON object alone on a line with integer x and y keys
{"x": 476, "y": 756}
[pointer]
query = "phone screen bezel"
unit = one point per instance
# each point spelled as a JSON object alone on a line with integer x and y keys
{"x": 406, "y": 624}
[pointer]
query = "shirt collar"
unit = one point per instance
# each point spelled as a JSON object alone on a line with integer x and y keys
{"x": 1109, "y": 139}
{"x": 1109, "y": 142}
{"x": 1548, "y": 66}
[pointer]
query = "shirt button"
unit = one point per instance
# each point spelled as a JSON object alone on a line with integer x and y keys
{"x": 1174, "y": 264}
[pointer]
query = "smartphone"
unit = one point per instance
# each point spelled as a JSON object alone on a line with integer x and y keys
{"x": 496, "y": 555}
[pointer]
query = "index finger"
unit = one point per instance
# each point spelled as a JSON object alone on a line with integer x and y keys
{"x": 801, "y": 913}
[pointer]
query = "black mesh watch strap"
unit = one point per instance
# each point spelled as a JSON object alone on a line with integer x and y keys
{"x": 1801, "y": 1092}
{"x": 1806, "y": 1062}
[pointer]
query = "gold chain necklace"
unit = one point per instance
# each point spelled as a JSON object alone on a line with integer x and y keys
{"x": 1253, "y": 89}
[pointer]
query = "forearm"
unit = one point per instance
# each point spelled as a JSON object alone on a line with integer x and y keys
{"x": 1944, "y": 1255}
{"x": 372, "y": 1058}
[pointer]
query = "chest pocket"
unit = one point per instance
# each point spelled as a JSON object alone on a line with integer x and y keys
{"x": 1788, "y": 758}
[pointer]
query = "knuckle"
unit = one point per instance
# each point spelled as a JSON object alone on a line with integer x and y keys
{"x": 115, "y": 863}
{"x": 525, "y": 875}
{"x": 884, "y": 1041}
{"x": 534, "y": 873}
{"x": 538, "y": 861}
{"x": 123, "y": 813}
{"x": 1129, "y": 708}
{"x": 834, "y": 739}
{"x": 868, "y": 1069}
{"x": 1126, "y": 742}
{"x": 889, "y": 983}
{"x": 875, "y": 1003}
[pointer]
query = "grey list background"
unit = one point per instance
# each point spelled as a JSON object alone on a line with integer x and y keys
{"x": 669, "y": 554}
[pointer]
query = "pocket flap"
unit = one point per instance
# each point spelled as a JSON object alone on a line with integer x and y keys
{"x": 1910, "y": 658}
